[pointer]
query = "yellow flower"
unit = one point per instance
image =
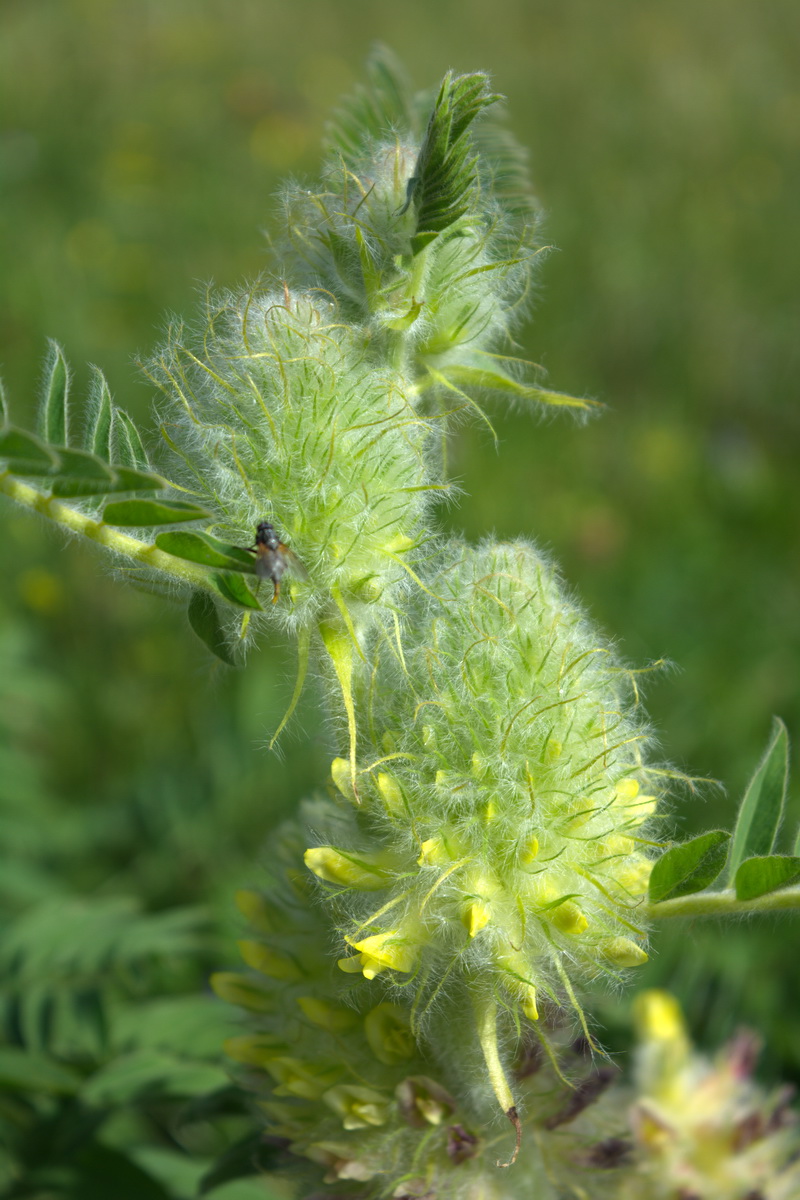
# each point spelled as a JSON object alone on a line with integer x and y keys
{"x": 380, "y": 952}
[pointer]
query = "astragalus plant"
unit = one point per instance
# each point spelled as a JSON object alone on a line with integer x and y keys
{"x": 490, "y": 845}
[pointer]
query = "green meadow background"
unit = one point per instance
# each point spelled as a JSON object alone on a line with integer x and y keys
{"x": 142, "y": 149}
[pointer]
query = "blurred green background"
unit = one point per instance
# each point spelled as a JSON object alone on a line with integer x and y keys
{"x": 142, "y": 146}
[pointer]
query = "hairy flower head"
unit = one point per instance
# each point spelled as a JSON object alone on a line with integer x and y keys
{"x": 281, "y": 416}
{"x": 504, "y": 771}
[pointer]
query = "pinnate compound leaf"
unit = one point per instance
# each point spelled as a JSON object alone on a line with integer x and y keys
{"x": 689, "y": 867}
{"x": 234, "y": 589}
{"x": 445, "y": 177}
{"x": 98, "y": 433}
{"x": 141, "y": 514}
{"x": 27, "y": 1071}
{"x": 206, "y": 550}
{"x": 53, "y": 414}
{"x": 764, "y": 874}
{"x": 25, "y": 454}
{"x": 762, "y": 806}
{"x": 204, "y": 620}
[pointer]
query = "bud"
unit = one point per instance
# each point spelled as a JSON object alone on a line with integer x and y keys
{"x": 388, "y": 1032}
{"x": 270, "y": 962}
{"x": 357, "y": 1106}
{"x": 329, "y": 864}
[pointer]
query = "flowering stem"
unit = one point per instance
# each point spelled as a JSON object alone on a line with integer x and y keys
{"x": 104, "y": 535}
{"x": 724, "y": 904}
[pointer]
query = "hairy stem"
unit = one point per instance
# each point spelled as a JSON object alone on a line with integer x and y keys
{"x": 96, "y": 531}
{"x": 724, "y": 904}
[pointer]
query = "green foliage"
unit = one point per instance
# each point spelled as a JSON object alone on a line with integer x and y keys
{"x": 141, "y": 514}
{"x": 445, "y": 174}
{"x": 752, "y": 868}
{"x": 54, "y": 413}
{"x": 689, "y": 867}
{"x": 763, "y": 874}
{"x": 761, "y": 809}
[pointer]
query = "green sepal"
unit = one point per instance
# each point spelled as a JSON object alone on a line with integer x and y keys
{"x": 762, "y": 805}
{"x": 689, "y": 867}
{"x": 207, "y": 550}
{"x": 204, "y": 620}
{"x": 98, "y": 433}
{"x": 25, "y": 454}
{"x": 234, "y": 589}
{"x": 764, "y": 874}
{"x": 27, "y": 1071}
{"x": 141, "y": 514}
{"x": 498, "y": 381}
{"x": 401, "y": 324}
{"x": 53, "y": 417}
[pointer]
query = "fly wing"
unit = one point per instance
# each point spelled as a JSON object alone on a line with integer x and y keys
{"x": 293, "y": 563}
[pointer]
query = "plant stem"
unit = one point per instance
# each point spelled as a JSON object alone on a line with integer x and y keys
{"x": 104, "y": 535}
{"x": 724, "y": 904}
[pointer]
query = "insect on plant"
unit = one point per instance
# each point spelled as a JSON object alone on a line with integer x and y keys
{"x": 273, "y": 557}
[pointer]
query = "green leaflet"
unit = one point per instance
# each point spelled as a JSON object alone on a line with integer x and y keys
{"x": 140, "y": 514}
{"x": 204, "y": 620}
{"x": 762, "y": 805}
{"x": 207, "y": 550}
{"x": 445, "y": 176}
{"x": 764, "y": 874}
{"x": 80, "y": 474}
{"x": 690, "y": 867}
{"x": 234, "y": 589}
{"x": 98, "y": 433}
{"x": 25, "y": 454}
{"x": 74, "y": 473}
{"x": 53, "y": 415}
{"x": 126, "y": 441}
{"x": 128, "y": 479}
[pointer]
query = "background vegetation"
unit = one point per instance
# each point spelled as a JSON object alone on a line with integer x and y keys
{"x": 141, "y": 148}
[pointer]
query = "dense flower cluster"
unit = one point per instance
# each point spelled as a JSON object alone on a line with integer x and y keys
{"x": 353, "y": 1097}
{"x": 498, "y": 836}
